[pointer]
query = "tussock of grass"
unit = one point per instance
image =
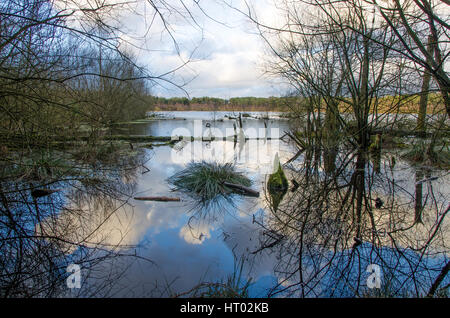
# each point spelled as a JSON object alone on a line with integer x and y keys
{"x": 203, "y": 181}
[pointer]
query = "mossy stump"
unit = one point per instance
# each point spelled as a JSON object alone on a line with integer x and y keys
{"x": 277, "y": 186}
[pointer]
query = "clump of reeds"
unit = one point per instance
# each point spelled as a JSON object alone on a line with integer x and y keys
{"x": 203, "y": 181}
{"x": 235, "y": 286}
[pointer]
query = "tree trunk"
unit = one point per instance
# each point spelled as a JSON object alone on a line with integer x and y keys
{"x": 359, "y": 186}
{"x": 418, "y": 197}
{"x": 330, "y": 139}
{"x": 421, "y": 119}
{"x": 439, "y": 280}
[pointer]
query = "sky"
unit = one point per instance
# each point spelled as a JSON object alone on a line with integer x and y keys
{"x": 226, "y": 55}
{"x": 212, "y": 50}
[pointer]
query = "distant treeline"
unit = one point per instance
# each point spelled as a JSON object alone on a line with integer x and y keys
{"x": 387, "y": 104}
{"x": 212, "y": 103}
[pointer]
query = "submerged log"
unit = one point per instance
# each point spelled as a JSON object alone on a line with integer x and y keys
{"x": 136, "y": 138}
{"x": 295, "y": 185}
{"x": 243, "y": 189}
{"x": 425, "y": 180}
{"x": 163, "y": 199}
{"x": 37, "y": 193}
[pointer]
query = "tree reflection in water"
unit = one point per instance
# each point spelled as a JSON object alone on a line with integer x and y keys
{"x": 348, "y": 215}
{"x": 41, "y": 236}
{"x": 341, "y": 216}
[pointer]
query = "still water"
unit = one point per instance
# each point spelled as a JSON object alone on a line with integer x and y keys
{"x": 177, "y": 247}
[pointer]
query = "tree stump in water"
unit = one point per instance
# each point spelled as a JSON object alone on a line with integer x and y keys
{"x": 277, "y": 186}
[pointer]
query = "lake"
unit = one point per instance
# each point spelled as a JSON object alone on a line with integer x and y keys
{"x": 302, "y": 249}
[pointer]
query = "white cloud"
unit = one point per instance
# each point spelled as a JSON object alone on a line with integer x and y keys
{"x": 196, "y": 234}
{"x": 225, "y": 51}
{"x": 227, "y": 57}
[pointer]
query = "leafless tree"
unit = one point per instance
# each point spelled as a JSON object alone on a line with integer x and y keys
{"x": 66, "y": 71}
{"x": 353, "y": 71}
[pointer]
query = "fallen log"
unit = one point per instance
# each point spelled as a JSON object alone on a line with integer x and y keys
{"x": 242, "y": 189}
{"x": 163, "y": 199}
{"x": 37, "y": 193}
{"x": 425, "y": 180}
{"x": 135, "y": 138}
{"x": 295, "y": 185}
{"x": 299, "y": 152}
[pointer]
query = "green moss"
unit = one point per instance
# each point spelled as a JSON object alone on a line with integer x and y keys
{"x": 277, "y": 186}
{"x": 375, "y": 146}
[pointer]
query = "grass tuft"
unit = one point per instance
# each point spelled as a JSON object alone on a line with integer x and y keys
{"x": 235, "y": 286}
{"x": 203, "y": 181}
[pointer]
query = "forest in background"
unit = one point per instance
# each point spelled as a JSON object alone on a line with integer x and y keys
{"x": 407, "y": 104}
{"x": 218, "y": 104}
